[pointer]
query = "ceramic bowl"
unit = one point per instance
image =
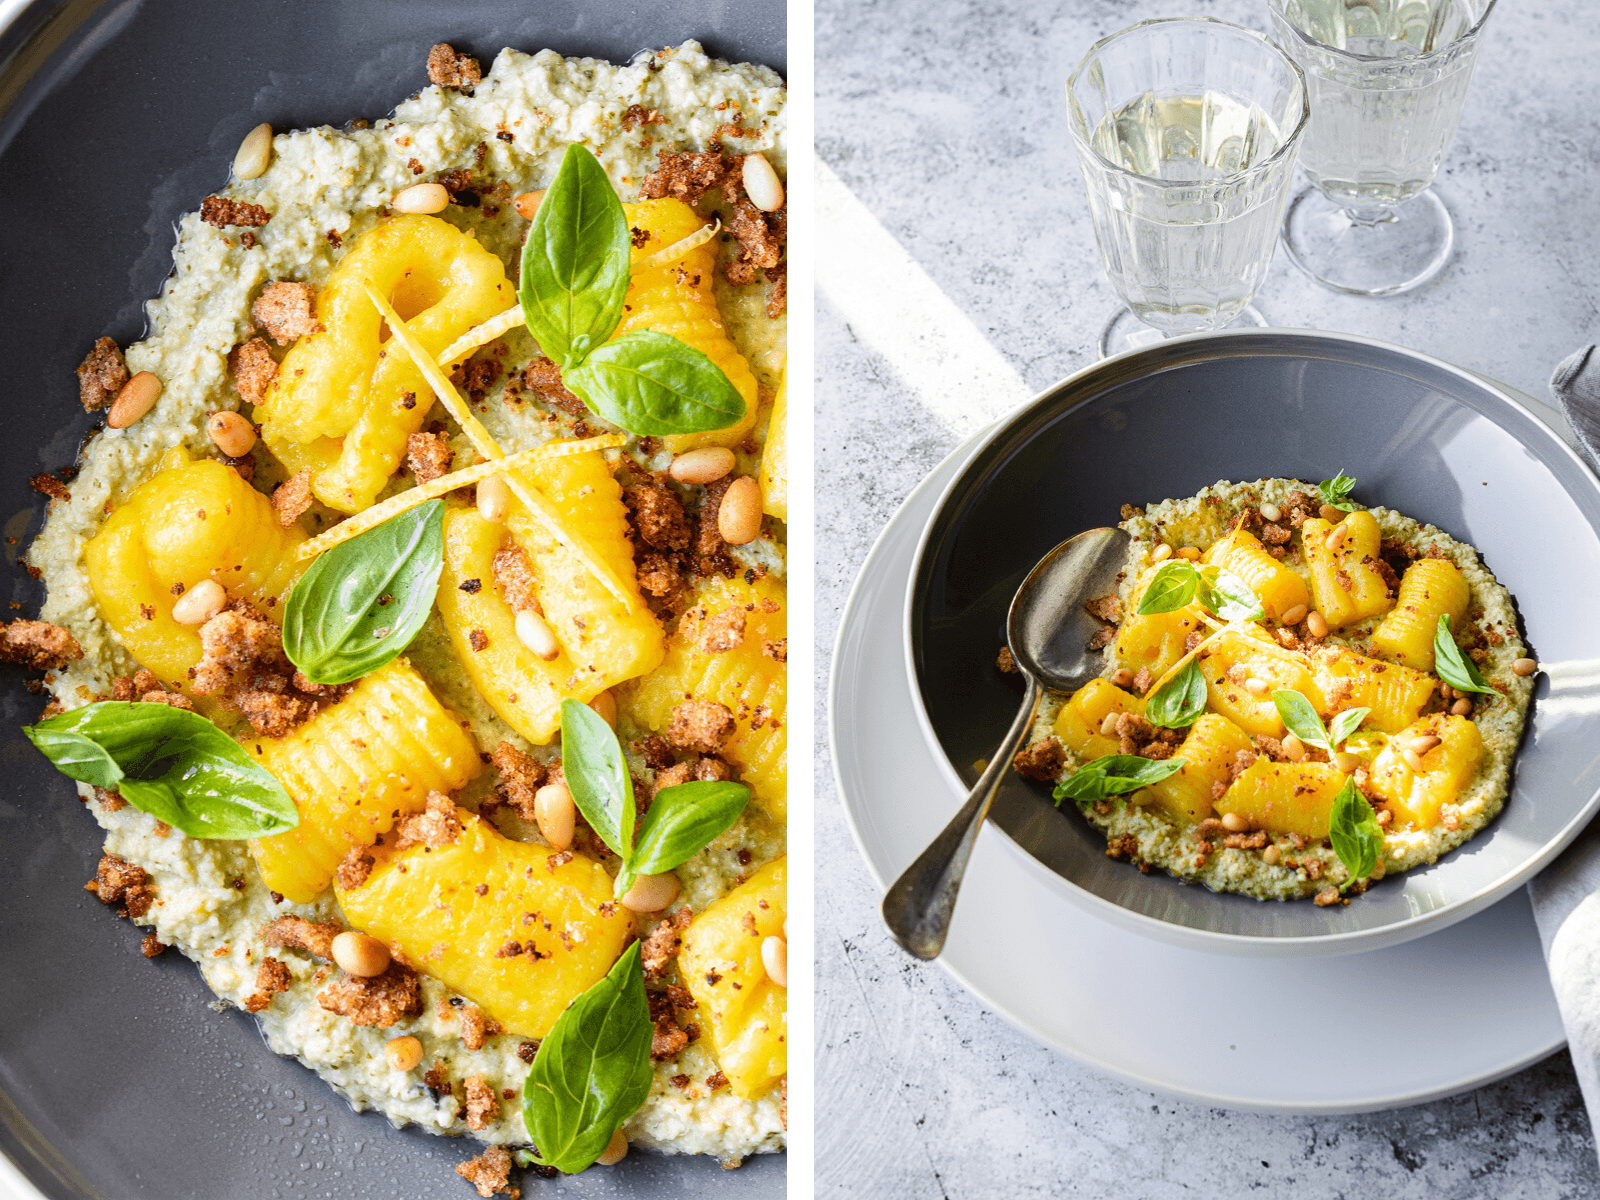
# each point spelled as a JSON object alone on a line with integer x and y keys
{"x": 116, "y": 1079}
{"x": 1420, "y": 436}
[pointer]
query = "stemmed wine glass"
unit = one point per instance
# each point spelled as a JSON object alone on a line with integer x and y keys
{"x": 1388, "y": 80}
{"x": 1186, "y": 133}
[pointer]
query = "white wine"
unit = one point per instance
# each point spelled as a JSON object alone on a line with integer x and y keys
{"x": 1187, "y": 258}
{"x": 1381, "y": 123}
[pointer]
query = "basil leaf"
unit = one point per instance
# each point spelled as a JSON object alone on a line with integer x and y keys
{"x": 1112, "y": 775}
{"x": 1345, "y": 724}
{"x": 1172, "y": 586}
{"x": 575, "y": 261}
{"x": 592, "y": 1071}
{"x": 1180, "y": 700}
{"x": 1354, "y": 830}
{"x": 681, "y": 822}
{"x": 652, "y": 384}
{"x": 173, "y": 764}
{"x": 360, "y": 604}
{"x": 1336, "y": 491}
{"x": 1452, "y": 666}
{"x": 1301, "y": 719}
{"x": 597, "y": 776}
{"x": 1229, "y": 597}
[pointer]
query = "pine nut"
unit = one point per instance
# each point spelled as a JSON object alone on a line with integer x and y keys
{"x": 1234, "y": 823}
{"x": 494, "y": 499}
{"x": 1330, "y": 514}
{"x": 403, "y": 1053}
{"x": 1294, "y": 749}
{"x": 1425, "y": 743}
{"x": 1379, "y": 869}
{"x": 254, "y": 155}
{"x": 1161, "y": 553}
{"x": 1316, "y": 624}
{"x": 1523, "y": 666}
{"x": 1257, "y": 687}
{"x": 1447, "y": 691}
{"x": 232, "y": 433}
{"x": 1295, "y": 615}
{"x": 702, "y": 466}
{"x": 358, "y": 954}
{"x": 200, "y": 603}
{"x": 555, "y": 814}
{"x": 1412, "y": 759}
{"x": 1108, "y": 727}
{"x": 606, "y": 705}
{"x": 1335, "y": 539}
{"x": 651, "y": 893}
{"x": 137, "y": 397}
{"x": 528, "y": 203}
{"x": 1345, "y": 761}
{"x": 775, "y": 958}
{"x": 421, "y": 198}
{"x": 1122, "y": 677}
{"x": 1189, "y": 552}
{"x": 533, "y": 633}
{"x": 761, "y": 183}
{"x": 1462, "y": 707}
{"x": 1271, "y": 513}
{"x": 1270, "y": 856}
{"x": 616, "y": 1150}
{"x": 739, "y": 514}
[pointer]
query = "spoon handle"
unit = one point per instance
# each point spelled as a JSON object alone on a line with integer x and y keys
{"x": 917, "y": 908}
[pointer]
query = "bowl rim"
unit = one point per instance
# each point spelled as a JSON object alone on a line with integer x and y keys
{"x": 1254, "y": 945}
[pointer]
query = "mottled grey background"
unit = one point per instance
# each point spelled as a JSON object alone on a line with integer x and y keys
{"x": 944, "y": 119}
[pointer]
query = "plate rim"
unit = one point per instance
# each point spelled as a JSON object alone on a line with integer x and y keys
{"x": 1245, "y": 945}
{"x": 855, "y": 601}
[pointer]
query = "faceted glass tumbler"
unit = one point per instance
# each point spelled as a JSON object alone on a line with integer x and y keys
{"x": 1388, "y": 81}
{"x": 1186, "y": 133}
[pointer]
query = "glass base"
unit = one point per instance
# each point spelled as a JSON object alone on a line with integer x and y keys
{"x": 1401, "y": 250}
{"x": 1124, "y": 331}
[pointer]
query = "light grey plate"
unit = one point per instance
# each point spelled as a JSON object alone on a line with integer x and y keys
{"x": 116, "y": 1080}
{"x": 1422, "y": 437}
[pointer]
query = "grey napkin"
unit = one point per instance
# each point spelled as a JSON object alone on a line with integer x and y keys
{"x": 1566, "y": 896}
{"x": 1576, "y": 387}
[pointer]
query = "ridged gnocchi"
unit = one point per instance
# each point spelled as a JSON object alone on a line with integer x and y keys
{"x": 343, "y": 406}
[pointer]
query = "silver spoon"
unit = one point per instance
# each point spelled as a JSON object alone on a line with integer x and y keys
{"x": 1048, "y": 630}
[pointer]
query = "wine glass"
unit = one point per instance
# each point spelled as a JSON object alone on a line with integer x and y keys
{"x": 1388, "y": 80}
{"x": 1186, "y": 132}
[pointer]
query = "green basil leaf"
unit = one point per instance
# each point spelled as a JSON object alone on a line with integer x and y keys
{"x": 360, "y": 604}
{"x": 652, "y": 384}
{"x": 1354, "y": 830}
{"x": 1345, "y": 724}
{"x": 1172, "y": 586}
{"x": 1336, "y": 491}
{"x": 1301, "y": 719}
{"x": 1229, "y": 597}
{"x": 173, "y": 764}
{"x": 1180, "y": 700}
{"x": 75, "y": 756}
{"x": 681, "y": 822}
{"x": 597, "y": 776}
{"x": 575, "y": 261}
{"x": 592, "y": 1071}
{"x": 1113, "y": 775}
{"x": 1452, "y": 666}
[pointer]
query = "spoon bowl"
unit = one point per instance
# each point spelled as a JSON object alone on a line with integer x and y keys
{"x": 1048, "y": 629}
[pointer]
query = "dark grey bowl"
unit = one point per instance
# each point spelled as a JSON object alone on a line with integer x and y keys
{"x": 1420, "y": 436}
{"x": 116, "y": 1080}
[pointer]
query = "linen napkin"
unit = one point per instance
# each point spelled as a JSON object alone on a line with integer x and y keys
{"x": 1566, "y": 895}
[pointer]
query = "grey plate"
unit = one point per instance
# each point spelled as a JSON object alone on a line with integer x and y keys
{"x": 116, "y": 1080}
{"x": 1422, "y": 437}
